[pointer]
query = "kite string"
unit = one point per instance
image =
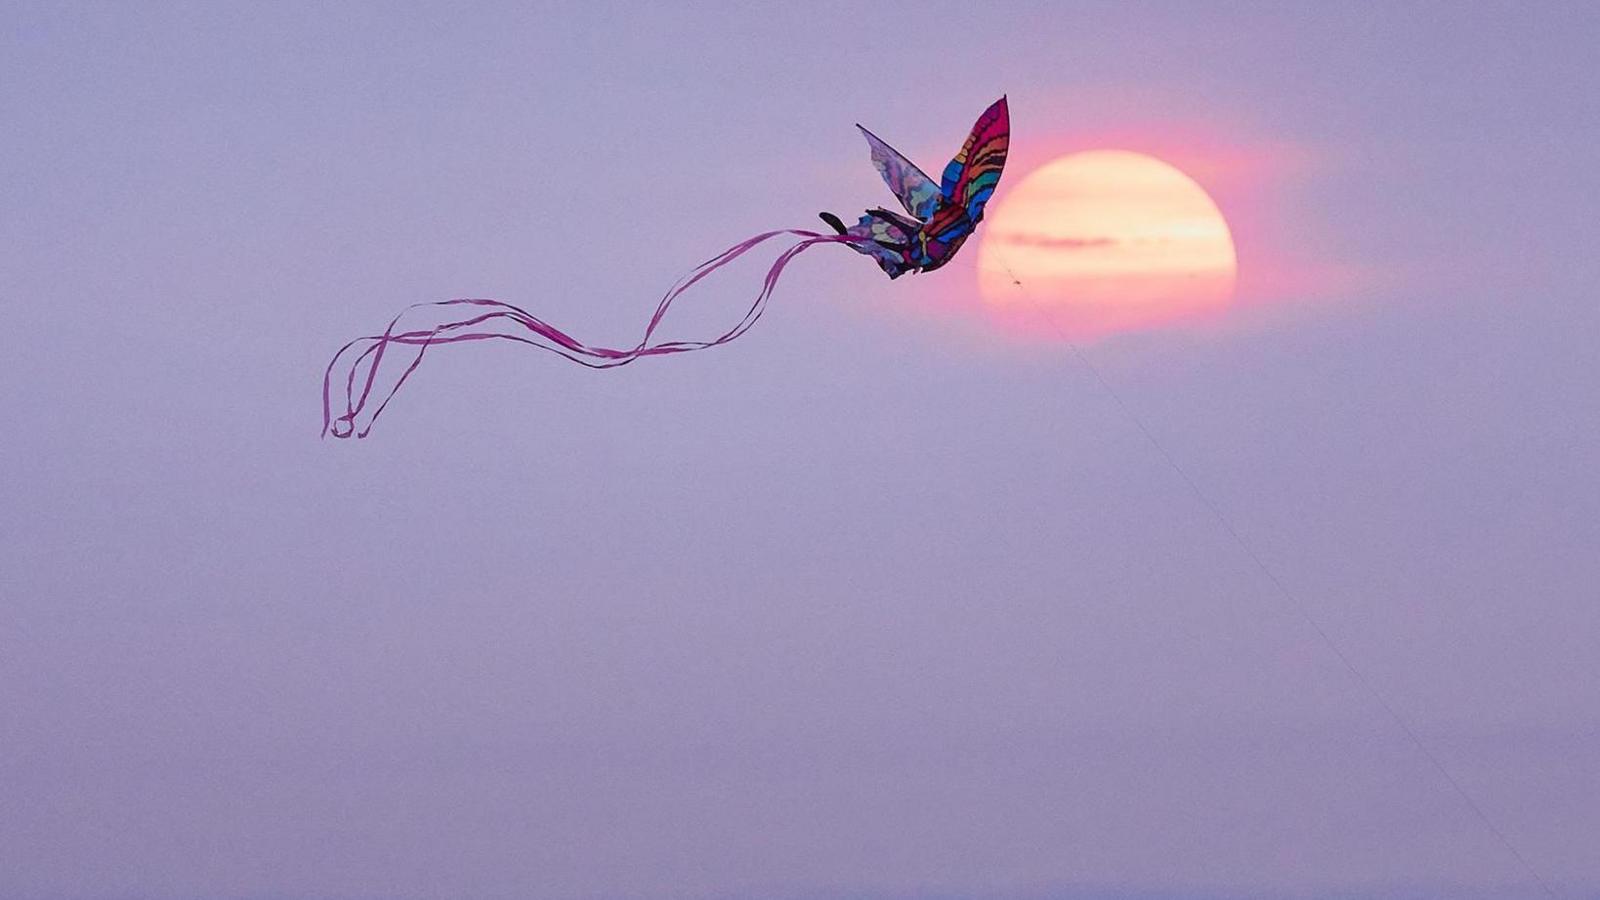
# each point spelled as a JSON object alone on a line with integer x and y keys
{"x": 543, "y": 335}
{"x": 1282, "y": 588}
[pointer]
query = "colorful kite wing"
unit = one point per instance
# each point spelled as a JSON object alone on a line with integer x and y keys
{"x": 889, "y": 239}
{"x": 916, "y": 191}
{"x": 970, "y": 178}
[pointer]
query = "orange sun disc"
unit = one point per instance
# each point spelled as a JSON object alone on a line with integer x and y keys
{"x": 1105, "y": 241}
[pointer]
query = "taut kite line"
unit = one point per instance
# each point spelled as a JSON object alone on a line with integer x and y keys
{"x": 939, "y": 218}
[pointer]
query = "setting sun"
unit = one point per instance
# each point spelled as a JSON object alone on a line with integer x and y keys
{"x": 1106, "y": 241}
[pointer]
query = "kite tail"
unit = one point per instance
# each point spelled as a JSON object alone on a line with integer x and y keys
{"x": 486, "y": 320}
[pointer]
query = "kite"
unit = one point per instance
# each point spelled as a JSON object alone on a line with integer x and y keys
{"x": 938, "y": 219}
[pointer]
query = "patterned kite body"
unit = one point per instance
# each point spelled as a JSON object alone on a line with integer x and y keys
{"x": 943, "y": 215}
{"x": 937, "y": 219}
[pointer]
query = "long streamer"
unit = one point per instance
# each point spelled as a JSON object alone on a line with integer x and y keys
{"x": 485, "y": 318}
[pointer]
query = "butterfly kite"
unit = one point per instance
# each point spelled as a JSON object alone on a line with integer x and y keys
{"x": 938, "y": 219}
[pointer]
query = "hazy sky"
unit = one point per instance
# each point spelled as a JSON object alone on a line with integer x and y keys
{"x": 873, "y": 602}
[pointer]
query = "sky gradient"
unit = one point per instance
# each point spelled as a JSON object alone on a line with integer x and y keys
{"x": 876, "y": 601}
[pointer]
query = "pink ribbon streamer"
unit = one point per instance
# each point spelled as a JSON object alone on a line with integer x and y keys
{"x": 537, "y": 333}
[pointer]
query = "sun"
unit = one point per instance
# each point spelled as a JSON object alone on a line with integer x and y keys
{"x": 1105, "y": 241}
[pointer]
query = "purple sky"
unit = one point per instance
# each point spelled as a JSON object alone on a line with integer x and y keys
{"x": 864, "y": 604}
